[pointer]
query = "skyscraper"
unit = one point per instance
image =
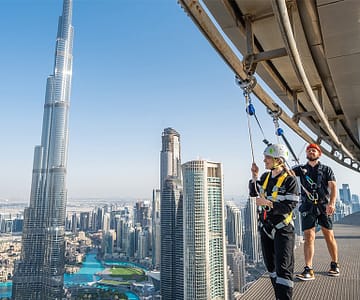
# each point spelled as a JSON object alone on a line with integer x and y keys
{"x": 345, "y": 194}
{"x": 205, "y": 268}
{"x": 156, "y": 229}
{"x": 170, "y": 162}
{"x": 171, "y": 217}
{"x": 171, "y": 275}
{"x": 40, "y": 272}
{"x": 236, "y": 262}
{"x": 251, "y": 235}
{"x": 234, "y": 225}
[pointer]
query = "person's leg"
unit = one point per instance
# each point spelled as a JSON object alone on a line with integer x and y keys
{"x": 331, "y": 243}
{"x": 267, "y": 247}
{"x": 284, "y": 253}
{"x": 308, "y": 221}
{"x": 309, "y": 246}
{"x": 326, "y": 227}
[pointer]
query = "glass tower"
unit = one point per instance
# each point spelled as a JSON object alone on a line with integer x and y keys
{"x": 171, "y": 217}
{"x": 234, "y": 225}
{"x": 172, "y": 271}
{"x": 170, "y": 163}
{"x": 205, "y": 268}
{"x": 39, "y": 274}
{"x": 251, "y": 234}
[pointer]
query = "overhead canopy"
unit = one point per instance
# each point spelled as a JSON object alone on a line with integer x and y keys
{"x": 307, "y": 52}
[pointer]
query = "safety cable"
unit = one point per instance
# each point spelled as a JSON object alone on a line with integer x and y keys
{"x": 249, "y": 130}
{"x": 247, "y": 86}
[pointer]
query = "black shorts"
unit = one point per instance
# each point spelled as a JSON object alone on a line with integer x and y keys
{"x": 310, "y": 219}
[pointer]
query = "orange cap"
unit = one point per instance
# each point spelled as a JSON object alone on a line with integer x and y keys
{"x": 314, "y": 146}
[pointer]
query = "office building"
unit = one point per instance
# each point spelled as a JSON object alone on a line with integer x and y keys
{"x": 171, "y": 275}
{"x": 156, "y": 231}
{"x": 171, "y": 223}
{"x": 170, "y": 161}
{"x": 205, "y": 268}
{"x": 252, "y": 248}
{"x": 234, "y": 225}
{"x": 236, "y": 262}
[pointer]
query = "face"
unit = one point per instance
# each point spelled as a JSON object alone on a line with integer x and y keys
{"x": 312, "y": 154}
{"x": 269, "y": 162}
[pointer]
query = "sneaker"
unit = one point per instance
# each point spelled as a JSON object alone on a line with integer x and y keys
{"x": 308, "y": 274}
{"x": 334, "y": 269}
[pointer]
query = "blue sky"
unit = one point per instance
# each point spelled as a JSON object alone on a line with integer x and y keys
{"x": 139, "y": 66}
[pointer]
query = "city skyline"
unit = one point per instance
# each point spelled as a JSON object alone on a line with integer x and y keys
{"x": 133, "y": 64}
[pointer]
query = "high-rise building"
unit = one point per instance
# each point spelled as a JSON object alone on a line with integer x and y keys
{"x": 205, "y": 268}
{"x": 171, "y": 217}
{"x": 251, "y": 235}
{"x": 355, "y": 202}
{"x": 345, "y": 194}
{"x": 170, "y": 162}
{"x": 236, "y": 262}
{"x": 74, "y": 223}
{"x": 171, "y": 275}
{"x": 142, "y": 213}
{"x": 234, "y": 225}
{"x": 84, "y": 221}
{"x": 39, "y": 274}
{"x": 156, "y": 231}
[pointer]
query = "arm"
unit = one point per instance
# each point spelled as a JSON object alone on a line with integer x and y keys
{"x": 330, "y": 208}
{"x": 253, "y": 188}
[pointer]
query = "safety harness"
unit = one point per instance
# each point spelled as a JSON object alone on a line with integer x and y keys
{"x": 287, "y": 217}
{"x": 314, "y": 187}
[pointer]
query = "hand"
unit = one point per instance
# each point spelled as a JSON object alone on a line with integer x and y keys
{"x": 264, "y": 202}
{"x": 254, "y": 171}
{"x": 291, "y": 172}
{"x": 330, "y": 209}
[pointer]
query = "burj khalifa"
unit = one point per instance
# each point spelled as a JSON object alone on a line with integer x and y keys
{"x": 39, "y": 274}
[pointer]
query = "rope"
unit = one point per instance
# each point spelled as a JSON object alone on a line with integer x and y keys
{"x": 248, "y": 85}
{"x": 247, "y": 98}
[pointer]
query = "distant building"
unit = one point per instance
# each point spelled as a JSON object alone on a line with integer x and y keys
{"x": 205, "y": 268}
{"x": 18, "y": 224}
{"x": 142, "y": 214}
{"x": 236, "y": 262}
{"x": 84, "y": 221}
{"x": 109, "y": 242}
{"x": 345, "y": 194}
{"x": 74, "y": 223}
{"x": 234, "y": 225}
{"x": 355, "y": 202}
{"x": 251, "y": 235}
{"x": 155, "y": 234}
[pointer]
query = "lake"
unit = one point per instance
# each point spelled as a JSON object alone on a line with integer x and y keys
{"x": 85, "y": 276}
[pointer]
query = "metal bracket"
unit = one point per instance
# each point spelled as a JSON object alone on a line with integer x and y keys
{"x": 297, "y": 116}
{"x": 251, "y": 59}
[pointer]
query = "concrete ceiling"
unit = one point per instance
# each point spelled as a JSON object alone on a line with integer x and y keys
{"x": 327, "y": 46}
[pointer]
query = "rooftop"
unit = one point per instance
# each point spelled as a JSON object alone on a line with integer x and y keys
{"x": 346, "y": 286}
